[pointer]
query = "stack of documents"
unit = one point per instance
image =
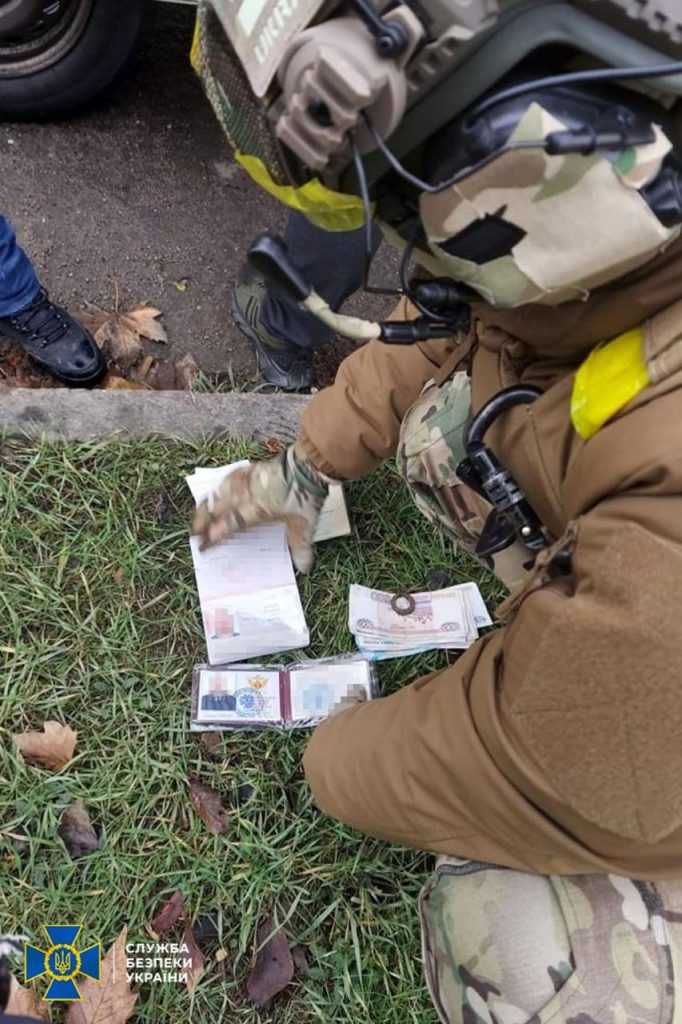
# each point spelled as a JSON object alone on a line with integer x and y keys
{"x": 387, "y": 625}
{"x": 249, "y": 599}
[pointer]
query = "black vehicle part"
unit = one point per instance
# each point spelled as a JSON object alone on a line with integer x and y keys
{"x": 67, "y": 57}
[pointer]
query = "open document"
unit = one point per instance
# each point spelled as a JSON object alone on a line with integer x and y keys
{"x": 249, "y": 598}
{"x": 284, "y": 696}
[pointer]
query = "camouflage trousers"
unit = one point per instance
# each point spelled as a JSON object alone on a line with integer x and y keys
{"x": 505, "y": 947}
{"x": 502, "y": 946}
{"x": 430, "y": 448}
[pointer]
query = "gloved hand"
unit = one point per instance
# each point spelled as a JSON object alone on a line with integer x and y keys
{"x": 286, "y": 488}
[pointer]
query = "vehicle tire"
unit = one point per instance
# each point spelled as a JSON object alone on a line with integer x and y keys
{"x": 68, "y": 57}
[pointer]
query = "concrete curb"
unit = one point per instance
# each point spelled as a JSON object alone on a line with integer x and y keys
{"x": 63, "y": 414}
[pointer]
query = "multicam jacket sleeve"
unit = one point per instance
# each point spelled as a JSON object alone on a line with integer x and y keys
{"x": 350, "y": 427}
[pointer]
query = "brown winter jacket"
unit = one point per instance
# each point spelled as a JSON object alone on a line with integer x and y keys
{"x": 555, "y": 744}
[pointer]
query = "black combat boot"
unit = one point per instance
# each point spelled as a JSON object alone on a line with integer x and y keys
{"x": 56, "y": 342}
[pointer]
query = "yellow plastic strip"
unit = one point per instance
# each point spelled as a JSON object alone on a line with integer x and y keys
{"x": 195, "y": 52}
{"x": 333, "y": 211}
{"x": 611, "y": 376}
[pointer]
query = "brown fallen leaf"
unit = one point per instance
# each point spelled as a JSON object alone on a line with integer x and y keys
{"x": 206, "y": 803}
{"x": 113, "y": 382}
{"x": 162, "y": 377}
{"x": 24, "y": 1001}
{"x": 17, "y": 370}
{"x": 274, "y": 966}
{"x": 53, "y": 747}
{"x": 170, "y": 913}
{"x": 274, "y": 445}
{"x": 211, "y": 742}
{"x": 76, "y": 831}
{"x": 120, "y": 334}
{"x": 197, "y": 957}
{"x": 109, "y": 1000}
{"x": 142, "y": 371}
{"x": 186, "y": 371}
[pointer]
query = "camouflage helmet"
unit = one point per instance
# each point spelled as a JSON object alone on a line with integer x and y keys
{"x": 519, "y": 225}
{"x": 303, "y": 90}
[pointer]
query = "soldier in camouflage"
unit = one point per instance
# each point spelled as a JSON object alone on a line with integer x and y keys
{"x": 542, "y": 767}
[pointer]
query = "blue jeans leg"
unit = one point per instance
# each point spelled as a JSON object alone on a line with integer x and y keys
{"x": 19, "y": 285}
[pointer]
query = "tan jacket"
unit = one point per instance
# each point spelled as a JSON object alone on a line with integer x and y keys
{"x": 567, "y": 722}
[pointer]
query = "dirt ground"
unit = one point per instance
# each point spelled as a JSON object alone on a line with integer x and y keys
{"x": 142, "y": 188}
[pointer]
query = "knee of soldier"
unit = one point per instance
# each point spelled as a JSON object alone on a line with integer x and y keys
{"x": 328, "y": 764}
{"x": 539, "y": 949}
{"x": 318, "y": 765}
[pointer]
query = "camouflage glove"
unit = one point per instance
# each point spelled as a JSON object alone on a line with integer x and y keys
{"x": 285, "y": 488}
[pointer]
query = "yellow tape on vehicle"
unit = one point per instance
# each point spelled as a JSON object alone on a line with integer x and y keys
{"x": 333, "y": 211}
{"x": 612, "y": 375}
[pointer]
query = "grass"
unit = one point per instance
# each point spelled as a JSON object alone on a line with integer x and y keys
{"x": 100, "y": 631}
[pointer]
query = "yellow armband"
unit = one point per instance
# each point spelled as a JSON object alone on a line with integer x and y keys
{"x": 611, "y": 376}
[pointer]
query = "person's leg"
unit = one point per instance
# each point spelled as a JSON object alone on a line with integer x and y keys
{"x": 502, "y": 945}
{"x": 334, "y": 264}
{"x": 411, "y": 768}
{"x": 19, "y": 284}
{"x": 283, "y": 335}
{"x": 53, "y": 339}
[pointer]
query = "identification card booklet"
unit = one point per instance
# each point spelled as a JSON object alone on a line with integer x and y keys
{"x": 249, "y": 597}
{"x": 279, "y": 696}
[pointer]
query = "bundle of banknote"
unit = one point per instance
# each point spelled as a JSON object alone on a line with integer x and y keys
{"x": 388, "y": 625}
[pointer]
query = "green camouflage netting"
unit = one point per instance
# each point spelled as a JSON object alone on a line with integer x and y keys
{"x": 241, "y": 115}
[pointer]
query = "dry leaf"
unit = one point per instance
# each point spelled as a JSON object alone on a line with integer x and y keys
{"x": 117, "y": 339}
{"x": 162, "y": 377}
{"x": 17, "y": 370}
{"x": 121, "y": 334}
{"x": 113, "y": 382}
{"x": 144, "y": 319}
{"x": 170, "y": 913}
{"x": 53, "y": 747}
{"x": 197, "y": 969}
{"x": 109, "y": 1001}
{"x": 181, "y": 285}
{"x": 76, "y": 831}
{"x": 274, "y": 966}
{"x": 24, "y": 1001}
{"x": 186, "y": 371}
{"x": 274, "y": 445}
{"x": 212, "y": 742}
{"x": 206, "y": 803}
{"x": 142, "y": 372}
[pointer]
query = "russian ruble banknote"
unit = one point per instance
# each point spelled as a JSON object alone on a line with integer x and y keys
{"x": 393, "y": 624}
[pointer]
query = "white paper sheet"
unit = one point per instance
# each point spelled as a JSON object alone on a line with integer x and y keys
{"x": 247, "y": 588}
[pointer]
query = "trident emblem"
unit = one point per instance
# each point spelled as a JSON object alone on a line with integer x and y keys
{"x": 62, "y": 961}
